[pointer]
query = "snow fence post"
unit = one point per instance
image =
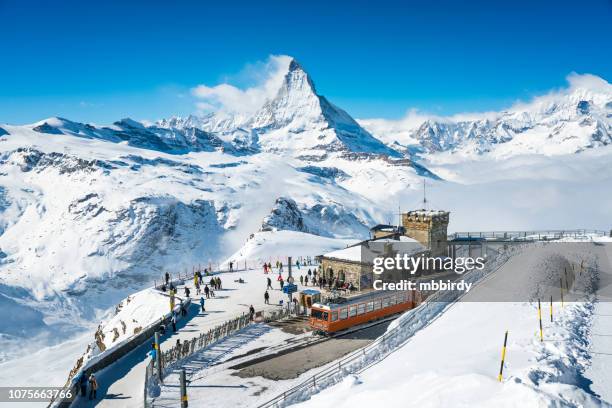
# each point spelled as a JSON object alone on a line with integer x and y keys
{"x": 158, "y": 357}
{"x": 501, "y": 368}
{"x": 551, "y": 309}
{"x": 540, "y": 319}
{"x": 184, "y": 403}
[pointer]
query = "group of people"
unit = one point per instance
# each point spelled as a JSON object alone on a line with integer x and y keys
{"x": 88, "y": 381}
{"x": 267, "y": 266}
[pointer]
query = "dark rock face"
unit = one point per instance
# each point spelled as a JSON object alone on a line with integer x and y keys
{"x": 47, "y": 128}
{"x": 583, "y": 107}
{"x": 285, "y": 215}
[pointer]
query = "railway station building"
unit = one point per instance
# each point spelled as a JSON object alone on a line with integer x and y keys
{"x": 423, "y": 232}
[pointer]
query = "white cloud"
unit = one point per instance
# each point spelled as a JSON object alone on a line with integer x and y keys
{"x": 265, "y": 77}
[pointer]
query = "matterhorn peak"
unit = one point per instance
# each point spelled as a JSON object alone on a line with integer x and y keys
{"x": 296, "y": 75}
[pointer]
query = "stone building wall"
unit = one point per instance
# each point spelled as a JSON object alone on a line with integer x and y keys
{"x": 430, "y": 228}
{"x": 355, "y": 272}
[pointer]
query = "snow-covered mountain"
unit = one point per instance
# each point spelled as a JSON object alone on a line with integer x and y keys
{"x": 566, "y": 121}
{"x": 90, "y": 214}
{"x": 297, "y": 120}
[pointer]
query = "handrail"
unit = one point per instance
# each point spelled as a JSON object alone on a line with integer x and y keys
{"x": 179, "y": 354}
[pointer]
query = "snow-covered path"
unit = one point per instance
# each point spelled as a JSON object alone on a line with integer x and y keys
{"x": 122, "y": 384}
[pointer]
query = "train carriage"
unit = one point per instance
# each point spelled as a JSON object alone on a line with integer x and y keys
{"x": 344, "y": 313}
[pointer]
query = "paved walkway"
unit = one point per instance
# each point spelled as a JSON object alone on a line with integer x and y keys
{"x": 121, "y": 385}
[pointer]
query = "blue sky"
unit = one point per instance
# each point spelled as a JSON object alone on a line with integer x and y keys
{"x": 100, "y": 61}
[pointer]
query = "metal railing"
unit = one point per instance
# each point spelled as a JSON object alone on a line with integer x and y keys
{"x": 518, "y": 235}
{"x": 179, "y": 354}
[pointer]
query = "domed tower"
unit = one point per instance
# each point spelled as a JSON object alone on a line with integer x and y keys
{"x": 429, "y": 227}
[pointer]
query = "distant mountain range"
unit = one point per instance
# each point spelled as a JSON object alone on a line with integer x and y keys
{"x": 300, "y": 122}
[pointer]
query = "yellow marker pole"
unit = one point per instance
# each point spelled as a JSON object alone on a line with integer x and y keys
{"x": 551, "y": 309}
{"x": 540, "y": 318}
{"x": 501, "y": 367}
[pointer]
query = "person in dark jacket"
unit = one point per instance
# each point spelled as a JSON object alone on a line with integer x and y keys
{"x": 167, "y": 277}
{"x": 83, "y": 384}
{"x": 269, "y": 284}
{"x": 267, "y": 298}
{"x": 251, "y": 313}
{"x": 202, "y": 303}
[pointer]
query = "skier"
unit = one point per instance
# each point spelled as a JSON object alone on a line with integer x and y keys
{"x": 231, "y": 266}
{"x": 251, "y": 313}
{"x": 309, "y": 272}
{"x": 282, "y": 283}
{"x": 187, "y": 291}
{"x": 202, "y": 303}
{"x": 301, "y": 280}
{"x": 167, "y": 277}
{"x": 173, "y": 322}
{"x": 297, "y": 263}
{"x": 83, "y": 383}
{"x": 267, "y": 298}
{"x": 93, "y": 386}
{"x": 306, "y": 281}
{"x": 206, "y": 291}
{"x": 219, "y": 283}
{"x": 269, "y": 284}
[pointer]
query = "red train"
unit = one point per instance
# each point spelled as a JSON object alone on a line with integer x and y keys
{"x": 352, "y": 311}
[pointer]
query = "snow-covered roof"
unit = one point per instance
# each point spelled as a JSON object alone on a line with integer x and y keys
{"x": 428, "y": 212}
{"x": 352, "y": 253}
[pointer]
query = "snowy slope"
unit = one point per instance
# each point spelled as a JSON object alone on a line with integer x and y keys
{"x": 86, "y": 220}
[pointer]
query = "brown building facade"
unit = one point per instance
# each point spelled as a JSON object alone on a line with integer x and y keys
{"x": 429, "y": 227}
